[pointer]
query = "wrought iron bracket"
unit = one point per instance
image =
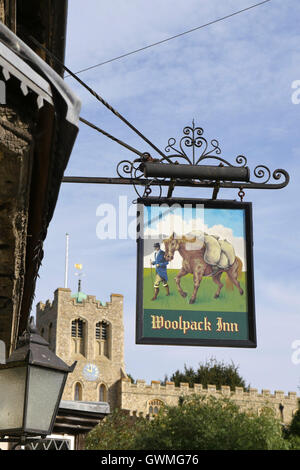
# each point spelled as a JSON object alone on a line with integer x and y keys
{"x": 192, "y": 153}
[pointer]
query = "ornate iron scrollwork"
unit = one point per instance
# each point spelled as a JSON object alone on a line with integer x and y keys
{"x": 135, "y": 171}
{"x": 193, "y": 138}
{"x": 194, "y": 149}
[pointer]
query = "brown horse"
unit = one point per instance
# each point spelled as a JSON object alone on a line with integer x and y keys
{"x": 193, "y": 263}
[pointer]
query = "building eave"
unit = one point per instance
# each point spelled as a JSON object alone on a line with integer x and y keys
{"x": 56, "y": 129}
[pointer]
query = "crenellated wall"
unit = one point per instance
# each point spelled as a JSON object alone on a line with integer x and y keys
{"x": 136, "y": 397}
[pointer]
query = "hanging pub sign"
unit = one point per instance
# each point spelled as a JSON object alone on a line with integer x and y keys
{"x": 195, "y": 273}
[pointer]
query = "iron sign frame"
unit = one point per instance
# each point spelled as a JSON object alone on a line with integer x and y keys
{"x": 141, "y": 338}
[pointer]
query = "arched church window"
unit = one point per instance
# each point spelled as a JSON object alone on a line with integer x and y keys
{"x": 77, "y": 328}
{"x": 281, "y": 408}
{"x": 78, "y": 336}
{"x": 78, "y": 392}
{"x": 154, "y": 406}
{"x": 101, "y": 330}
{"x": 102, "y": 393}
{"x": 102, "y": 338}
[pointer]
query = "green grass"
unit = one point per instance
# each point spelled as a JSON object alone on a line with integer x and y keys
{"x": 228, "y": 301}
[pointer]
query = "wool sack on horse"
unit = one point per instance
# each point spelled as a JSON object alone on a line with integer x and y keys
{"x": 218, "y": 253}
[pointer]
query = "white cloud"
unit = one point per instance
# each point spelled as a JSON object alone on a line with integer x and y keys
{"x": 176, "y": 223}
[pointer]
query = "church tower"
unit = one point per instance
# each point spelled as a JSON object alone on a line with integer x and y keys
{"x": 80, "y": 328}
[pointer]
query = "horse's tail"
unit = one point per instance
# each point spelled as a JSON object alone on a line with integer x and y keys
{"x": 229, "y": 284}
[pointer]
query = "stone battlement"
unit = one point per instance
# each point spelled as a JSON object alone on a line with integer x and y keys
{"x": 63, "y": 294}
{"x": 139, "y": 396}
{"x": 42, "y": 308}
{"x": 129, "y": 387}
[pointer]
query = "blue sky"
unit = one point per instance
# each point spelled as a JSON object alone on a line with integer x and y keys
{"x": 230, "y": 218}
{"x": 156, "y": 213}
{"x": 234, "y": 78}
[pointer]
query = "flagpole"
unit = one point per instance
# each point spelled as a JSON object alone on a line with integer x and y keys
{"x": 67, "y": 261}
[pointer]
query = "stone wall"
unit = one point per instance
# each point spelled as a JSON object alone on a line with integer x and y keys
{"x": 2, "y": 11}
{"x": 16, "y": 153}
{"x": 136, "y": 397}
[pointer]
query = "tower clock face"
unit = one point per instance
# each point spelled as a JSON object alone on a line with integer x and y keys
{"x": 90, "y": 372}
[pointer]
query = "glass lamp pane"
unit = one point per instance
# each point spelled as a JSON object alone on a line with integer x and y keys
{"x": 43, "y": 394}
{"x": 12, "y": 393}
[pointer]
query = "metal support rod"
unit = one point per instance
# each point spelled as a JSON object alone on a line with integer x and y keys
{"x": 203, "y": 172}
{"x": 182, "y": 183}
{"x": 171, "y": 188}
{"x": 120, "y": 142}
{"x": 216, "y": 191}
{"x": 98, "y": 97}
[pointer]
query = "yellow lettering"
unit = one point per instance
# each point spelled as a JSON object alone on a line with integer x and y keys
{"x": 186, "y": 326}
{"x": 219, "y": 324}
{"x": 157, "y": 322}
{"x": 207, "y": 324}
{"x": 226, "y": 326}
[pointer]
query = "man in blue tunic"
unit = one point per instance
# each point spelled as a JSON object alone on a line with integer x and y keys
{"x": 161, "y": 270}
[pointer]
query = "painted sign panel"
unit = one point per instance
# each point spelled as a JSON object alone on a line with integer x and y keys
{"x": 195, "y": 273}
